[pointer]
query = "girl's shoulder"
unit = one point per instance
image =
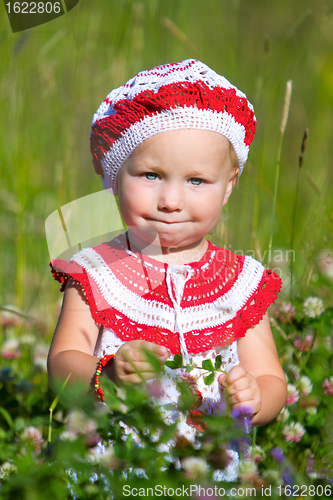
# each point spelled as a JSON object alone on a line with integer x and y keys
{"x": 239, "y": 265}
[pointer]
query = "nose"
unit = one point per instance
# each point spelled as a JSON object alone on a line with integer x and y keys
{"x": 171, "y": 198}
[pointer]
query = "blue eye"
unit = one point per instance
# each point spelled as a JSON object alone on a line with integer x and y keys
{"x": 196, "y": 182}
{"x": 151, "y": 176}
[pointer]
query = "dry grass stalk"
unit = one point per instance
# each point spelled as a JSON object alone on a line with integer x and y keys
{"x": 286, "y": 106}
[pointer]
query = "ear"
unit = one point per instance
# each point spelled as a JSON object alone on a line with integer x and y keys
{"x": 230, "y": 187}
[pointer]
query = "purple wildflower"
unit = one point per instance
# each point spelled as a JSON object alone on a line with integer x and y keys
{"x": 278, "y": 454}
{"x": 287, "y": 477}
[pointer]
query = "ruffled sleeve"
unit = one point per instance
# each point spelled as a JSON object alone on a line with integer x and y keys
{"x": 256, "y": 306}
{"x": 63, "y": 270}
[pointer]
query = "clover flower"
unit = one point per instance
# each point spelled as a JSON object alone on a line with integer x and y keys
{"x": 155, "y": 389}
{"x": 255, "y": 453}
{"x": 106, "y": 458}
{"x": 9, "y": 319}
{"x": 293, "y": 432}
{"x": 10, "y": 349}
{"x": 40, "y": 357}
{"x": 313, "y": 307}
{"x": 328, "y": 386}
{"x": 247, "y": 470}
{"x": 79, "y": 423}
{"x": 7, "y": 468}
{"x": 33, "y": 435}
{"x": 27, "y": 339}
{"x": 284, "y": 312}
{"x": 295, "y": 371}
{"x": 305, "y": 385}
{"x": 293, "y": 394}
{"x": 272, "y": 476}
{"x": 303, "y": 344}
{"x": 311, "y": 410}
{"x": 283, "y": 415}
{"x": 194, "y": 467}
{"x": 68, "y": 436}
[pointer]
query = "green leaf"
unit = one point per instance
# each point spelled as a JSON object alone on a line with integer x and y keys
{"x": 218, "y": 362}
{"x": 176, "y": 363}
{"x": 7, "y": 417}
{"x": 189, "y": 368}
{"x": 178, "y": 360}
{"x": 209, "y": 379}
{"x": 208, "y": 365}
{"x": 56, "y": 399}
{"x": 171, "y": 364}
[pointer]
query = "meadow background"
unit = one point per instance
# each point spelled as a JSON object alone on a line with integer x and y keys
{"x": 53, "y": 78}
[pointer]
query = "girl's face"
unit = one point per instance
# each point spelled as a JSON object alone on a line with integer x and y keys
{"x": 173, "y": 187}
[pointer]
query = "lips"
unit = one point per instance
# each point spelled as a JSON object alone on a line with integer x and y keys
{"x": 166, "y": 221}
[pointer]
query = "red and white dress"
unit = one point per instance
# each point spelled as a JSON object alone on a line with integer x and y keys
{"x": 198, "y": 310}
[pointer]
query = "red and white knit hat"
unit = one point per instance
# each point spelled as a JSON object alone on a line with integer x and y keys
{"x": 184, "y": 95}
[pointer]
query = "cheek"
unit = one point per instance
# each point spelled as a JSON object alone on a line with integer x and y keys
{"x": 208, "y": 206}
{"x": 132, "y": 201}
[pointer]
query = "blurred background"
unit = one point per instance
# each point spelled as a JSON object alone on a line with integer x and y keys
{"x": 53, "y": 78}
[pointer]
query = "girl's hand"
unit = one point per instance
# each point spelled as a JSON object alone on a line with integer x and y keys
{"x": 132, "y": 353}
{"x": 242, "y": 389}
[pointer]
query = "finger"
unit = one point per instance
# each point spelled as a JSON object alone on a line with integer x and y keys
{"x": 242, "y": 397}
{"x": 234, "y": 374}
{"x": 249, "y": 408}
{"x": 160, "y": 350}
{"x": 141, "y": 366}
{"x": 239, "y": 385}
{"x": 221, "y": 381}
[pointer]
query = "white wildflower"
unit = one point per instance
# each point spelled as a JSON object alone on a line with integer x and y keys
{"x": 293, "y": 394}
{"x": 283, "y": 415}
{"x": 311, "y": 410}
{"x": 40, "y": 357}
{"x": 106, "y": 458}
{"x": 305, "y": 385}
{"x": 313, "y": 307}
{"x": 68, "y": 436}
{"x": 33, "y": 435}
{"x": 27, "y": 339}
{"x": 247, "y": 470}
{"x": 272, "y": 476}
{"x": 293, "y": 432}
{"x": 194, "y": 467}
{"x": 255, "y": 453}
{"x": 79, "y": 422}
{"x": 6, "y": 468}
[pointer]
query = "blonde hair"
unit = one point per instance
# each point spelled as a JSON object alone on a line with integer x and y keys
{"x": 234, "y": 162}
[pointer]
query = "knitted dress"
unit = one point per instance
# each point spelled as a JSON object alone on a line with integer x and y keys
{"x": 198, "y": 310}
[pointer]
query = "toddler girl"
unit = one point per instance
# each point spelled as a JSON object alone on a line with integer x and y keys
{"x": 171, "y": 144}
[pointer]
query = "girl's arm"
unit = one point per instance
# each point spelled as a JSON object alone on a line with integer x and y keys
{"x": 258, "y": 383}
{"x": 74, "y": 342}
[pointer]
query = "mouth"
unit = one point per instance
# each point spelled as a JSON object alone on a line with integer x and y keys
{"x": 165, "y": 221}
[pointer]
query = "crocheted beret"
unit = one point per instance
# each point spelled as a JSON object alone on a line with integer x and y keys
{"x": 184, "y": 95}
